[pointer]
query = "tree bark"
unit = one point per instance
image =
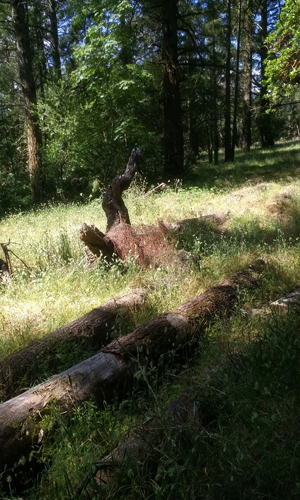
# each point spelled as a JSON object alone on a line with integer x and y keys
{"x": 173, "y": 131}
{"x": 21, "y": 31}
{"x": 52, "y": 9}
{"x": 227, "y": 145}
{"x": 97, "y": 325}
{"x": 113, "y": 205}
{"x": 237, "y": 83}
{"x": 247, "y": 77}
{"x": 148, "y": 243}
{"x": 109, "y": 372}
{"x": 265, "y": 120}
{"x": 217, "y": 219}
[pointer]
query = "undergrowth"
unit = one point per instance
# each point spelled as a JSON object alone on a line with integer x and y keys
{"x": 244, "y": 443}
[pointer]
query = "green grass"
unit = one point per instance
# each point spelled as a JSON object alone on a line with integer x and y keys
{"x": 246, "y": 445}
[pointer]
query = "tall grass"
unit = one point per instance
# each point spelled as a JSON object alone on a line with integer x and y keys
{"x": 250, "y": 422}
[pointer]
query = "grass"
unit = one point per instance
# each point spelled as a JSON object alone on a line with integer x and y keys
{"x": 247, "y": 442}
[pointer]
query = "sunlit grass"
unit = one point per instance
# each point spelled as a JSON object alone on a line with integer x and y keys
{"x": 56, "y": 287}
{"x": 260, "y": 196}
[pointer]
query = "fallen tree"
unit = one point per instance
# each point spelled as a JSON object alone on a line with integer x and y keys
{"x": 97, "y": 325}
{"x": 109, "y": 372}
{"x": 149, "y": 244}
{"x": 137, "y": 444}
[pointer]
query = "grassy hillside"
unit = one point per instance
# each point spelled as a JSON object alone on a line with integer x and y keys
{"x": 246, "y": 443}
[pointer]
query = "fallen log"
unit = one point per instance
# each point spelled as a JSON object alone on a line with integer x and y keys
{"x": 109, "y": 372}
{"x": 137, "y": 444}
{"x": 97, "y": 325}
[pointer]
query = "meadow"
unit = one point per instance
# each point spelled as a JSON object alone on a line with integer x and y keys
{"x": 246, "y": 443}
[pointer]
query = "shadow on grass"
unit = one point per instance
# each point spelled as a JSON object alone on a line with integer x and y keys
{"x": 282, "y": 162}
{"x": 246, "y": 235}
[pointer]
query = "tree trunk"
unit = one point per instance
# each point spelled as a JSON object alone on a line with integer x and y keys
{"x": 113, "y": 205}
{"x": 237, "y": 83}
{"x": 52, "y": 8}
{"x": 39, "y": 56}
{"x": 227, "y": 144}
{"x": 109, "y": 372}
{"x": 97, "y": 325}
{"x": 215, "y": 104}
{"x": 247, "y": 77}
{"x": 21, "y": 31}
{"x": 138, "y": 443}
{"x": 173, "y": 131}
{"x": 265, "y": 121}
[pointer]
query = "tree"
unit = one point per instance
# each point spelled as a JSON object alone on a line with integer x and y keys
{"x": 28, "y": 87}
{"x": 173, "y": 133}
{"x": 246, "y": 83}
{"x": 228, "y": 150}
{"x": 265, "y": 122}
{"x": 283, "y": 58}
{"x": 237, "y": 81}
{"x": 55, "y": 52}
{"x": 13, "y": 176}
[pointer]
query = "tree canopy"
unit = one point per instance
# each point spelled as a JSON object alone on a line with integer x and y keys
{"x": 81, "y": 84}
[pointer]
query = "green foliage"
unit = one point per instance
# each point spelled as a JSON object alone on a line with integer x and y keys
{"x": 102, "y": 109}
{"x": 283, "y": 69}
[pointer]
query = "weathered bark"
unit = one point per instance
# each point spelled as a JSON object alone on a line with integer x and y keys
{"x": 97, "y": 325}
{"x": 96, "y": 243}
{"x": 109, "y": 371}
{"x": 113, "y": 205}
{"x": 160, "y": 186}
{"x": 147, "y": 244}
{"x": 217, "y": 220}
{"x": 117, "y": 216}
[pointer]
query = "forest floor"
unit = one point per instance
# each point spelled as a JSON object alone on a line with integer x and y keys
{"x": 242, "y": 441}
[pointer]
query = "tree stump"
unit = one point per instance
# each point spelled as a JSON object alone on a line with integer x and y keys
{"x": 149, "y": 245}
